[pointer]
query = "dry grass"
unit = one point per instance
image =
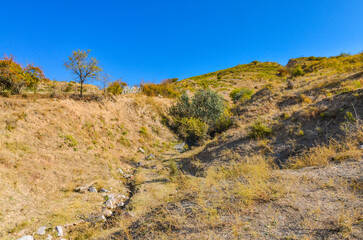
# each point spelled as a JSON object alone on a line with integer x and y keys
{"x": 336, "y": 151}
{"x": 53, "y": 146}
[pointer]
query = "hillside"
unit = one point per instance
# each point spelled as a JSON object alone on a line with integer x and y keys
{"x": 48, "y": 147}
{"x": 258, "y": 74}
{"x": 289, "y": 167}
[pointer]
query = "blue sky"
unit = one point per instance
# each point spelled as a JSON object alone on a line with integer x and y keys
{"x": 157, "y": 39}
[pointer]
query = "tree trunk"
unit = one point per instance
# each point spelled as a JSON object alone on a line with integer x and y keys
{"x": 81, "y": 91}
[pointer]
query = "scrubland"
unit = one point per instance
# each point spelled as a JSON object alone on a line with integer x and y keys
{"x": 289, "y": 167}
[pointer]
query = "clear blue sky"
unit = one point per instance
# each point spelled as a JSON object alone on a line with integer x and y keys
{"x": 158, "y": 39}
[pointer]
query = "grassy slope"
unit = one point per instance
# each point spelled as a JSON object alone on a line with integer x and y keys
{"x": 49, "y": 147}
{"x": 229, "y": 188}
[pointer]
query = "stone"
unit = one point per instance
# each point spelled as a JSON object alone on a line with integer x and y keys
{"x": 41, "y": 230}
{"x": 128, "y": 214}
{"x": 49, "y": 237}
{"x": 109, "y": 204}
{"x": 92, "y": 189}
{"x": 26, "y": 237}
{"x": 111, "y": 196}
{"x": 102, "y": 190}
{"x": 103, "y": 218}
{"x": 361, "y": 147}
{"x": 81, "y": 189}
{"x": 59, "y": 230}
{"x": 120, "y": 204}
{"x": 180, "y": 147}
{"x": 141, "y": 150}
{"x": 107, "y": 213}
{"x": 151, "y": 156}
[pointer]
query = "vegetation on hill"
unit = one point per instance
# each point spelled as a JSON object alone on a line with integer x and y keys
{"x": 196, "y": 118}
{"x": 14, "y": 78}
{"x": 289, "y": 167}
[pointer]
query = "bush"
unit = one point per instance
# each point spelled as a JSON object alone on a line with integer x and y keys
{"x": 116, "y": 87}
{"x": 203, "y": 114}
{"x": 259, "y": 130}
{"x": 297, "y": 71}
{"x": 205, "y": 105}
{"x": 224, "y": 123}
{"x": 14, "y": 78}
{"x": 282, "y": 72}
{"x": 165, "y": 89}
{"x": 192, "y": 129}
{"x": 242, "y": 94}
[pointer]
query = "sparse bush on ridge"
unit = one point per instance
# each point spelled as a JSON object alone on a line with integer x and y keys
{"x": 14, "y": 78}
{"x": 116, "y": 87}
{"x": 165, "y": 89}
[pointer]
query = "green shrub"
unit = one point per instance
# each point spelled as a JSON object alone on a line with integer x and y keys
{"x": 192, "y": 129}
{"x": 70, "y": 140}
{"x": 242, "y": 94}
{"x": 116, "y": 87}
{"x": 259, "y": 130}
{"x": 204, "y": 113}
{"x": 205, "y": 105}
{"x": 143, "y": 131}
{"x": 69, "y": 87}
{"x": 224, "y": 123}
{"x": 297, "y": 71}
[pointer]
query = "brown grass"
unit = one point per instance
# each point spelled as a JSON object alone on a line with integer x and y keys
{"x": 53, "y": 146}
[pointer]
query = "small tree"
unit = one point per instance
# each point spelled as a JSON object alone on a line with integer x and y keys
{"x": 82, "y": 66}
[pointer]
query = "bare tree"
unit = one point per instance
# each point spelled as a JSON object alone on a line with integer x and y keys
{"x": 105, "y": 81}
{"x": 82, "y": 66}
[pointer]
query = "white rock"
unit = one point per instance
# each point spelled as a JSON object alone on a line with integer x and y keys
{"x": 92, "y": 189}
{"x": 151, "y": 156}
{"x": 49, "y": 237}
{"x": 120, "y": 170}
{"x": 361, "y": 147}
{"x": 120, "y": 204}
{"x": 59, "y": 230}
{"x": 26, "y": 237}
{"x": 103, "y": 218}
{"x": 41, "y": 230}
{"x": 141, "y": 150}
{"x": 179, "y": 147}
{"x": 107, "y": 213}
{"x": 111, "y": 196}
{"x": 109, "y": 204}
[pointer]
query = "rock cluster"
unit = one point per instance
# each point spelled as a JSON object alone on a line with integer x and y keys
{"x": 42, "y": 231}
